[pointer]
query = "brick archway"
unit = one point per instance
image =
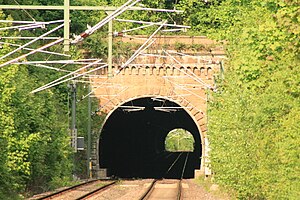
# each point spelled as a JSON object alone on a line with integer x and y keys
{"x": 183, "y": 79}
{"x": 139, "y": 82}
{"x": 175, "y": 120}
{"x": 195, "y": 115}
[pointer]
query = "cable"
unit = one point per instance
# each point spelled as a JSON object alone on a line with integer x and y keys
{"x": 25, "y": 11}
{"x": 56, "y": 47}
{"x": 32, "y": 41}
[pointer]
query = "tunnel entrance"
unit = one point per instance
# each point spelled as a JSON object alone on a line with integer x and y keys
{"x": 179, "y": 140}
{"x": 132, "y": 141}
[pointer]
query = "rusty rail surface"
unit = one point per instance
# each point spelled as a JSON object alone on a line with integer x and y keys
{"x": 67, "y": 190}
{"x": 148, "y": 191}
{"x": 179, "y": 193}
{"x": 151, "y": 188}
{"x": 60, "y": 192}
{"x": 96, "y": 191}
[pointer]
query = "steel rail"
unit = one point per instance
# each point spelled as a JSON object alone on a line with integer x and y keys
{"x": 96, "y": 191}
{"x": 179, "y": 193}
{"x": 58, "y": 193}
{"x": 149, "y": 190}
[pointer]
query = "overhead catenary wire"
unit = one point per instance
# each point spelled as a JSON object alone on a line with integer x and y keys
{"x": 32, "y": 52}
{"x": 141, "y": 49}
{"x": 93, "y": 90}
{"x": 153, "y": 55}
{"x": 152, "y": 23}
{"x": 114, "y": 14}
{"x": 30, "y": 24}
{"x": 193, "y": 76}
{"x": 24, "y": 10}
{"x": 27, "y": 38}
{"x": 108, "y": 18}
{"x": 23, "y": 27}
{"x": 109, "y": 100}
{"x": 69, "y": 62}
{"x": 69, "y": 79}
{"x": 137, "y": 28}
{"x": 70, "y": 74}
{"x": 183, "y": 54}
{"x": 133, "y": 57}
{"x": 209, "y": 61}
{"x": 42, "y": 51}
{"x": 157, "y": 10}
{"x": 97, "y": 87}
{"x": 120, "y": 10}
{"x": 49, "y": 67}
{"x": 174, "y": 30}
{"x": 183, "y": 88}
{"x": 32, "y": 41}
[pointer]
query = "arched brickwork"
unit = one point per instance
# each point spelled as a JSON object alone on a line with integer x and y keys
{"x": 198, "y": 117}
{"x": 185, "y": 84}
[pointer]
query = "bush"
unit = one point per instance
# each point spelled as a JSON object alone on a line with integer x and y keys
{"x": 254, "y": 116}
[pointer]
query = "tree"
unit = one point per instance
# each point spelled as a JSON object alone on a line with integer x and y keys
{"x": 35, "y": 152}
{"x": 253, "y": 128}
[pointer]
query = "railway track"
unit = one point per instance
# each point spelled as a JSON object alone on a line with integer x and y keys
{"x": 166, "y": 188}
{"x": 96, "y": 191}
{"x": 157, "y": 189}
{"x": 81, "y": 191}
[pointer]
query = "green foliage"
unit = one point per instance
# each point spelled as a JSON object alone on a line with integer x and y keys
{"x": 254, "y": 117}
{"x": 179, "y": 46}
{"x": 179, "y": 140}
{"x": 35, "y": 133}
{"x": 34, "y": 137}
{"x": 82, "y": 129}
{"x": 34, "y": 142}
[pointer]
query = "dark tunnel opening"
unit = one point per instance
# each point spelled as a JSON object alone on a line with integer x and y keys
{"x": 132, "y": 141}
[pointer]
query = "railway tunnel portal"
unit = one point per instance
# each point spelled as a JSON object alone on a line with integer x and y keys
{"x": 145, "y": 100}
{"x": 132, "y": 142}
